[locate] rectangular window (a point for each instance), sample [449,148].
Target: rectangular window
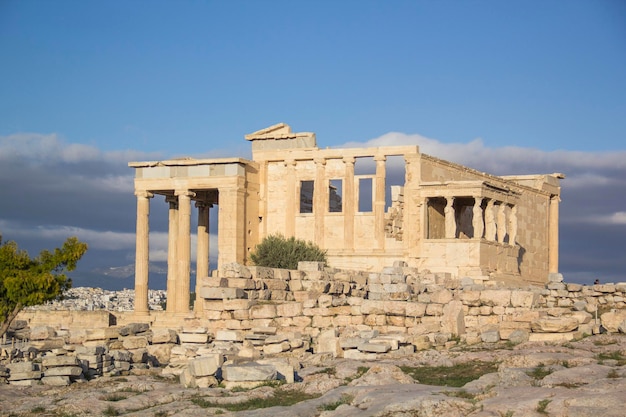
[306,196]
[335,193]
[365,195]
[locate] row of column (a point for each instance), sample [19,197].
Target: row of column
[492,221]
[178,252]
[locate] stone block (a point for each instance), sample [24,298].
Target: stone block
[495,297]
[328,341]
[229,335]
[243,283]
[563,324]
[310,266]
[206,365]
[612,320]
[276,348]
[19,367]
[133,328]
[62,360]
[134,342]
[235,270]
[212,293]
[552,337]
[19,376]
[249,372]
[238,304]
[42,333]
[289,309]
[164,336]
[69,371]
[372,307]
[193,337]
[490,336]
[356,354]
[263,311]
[56,380]
[374,348]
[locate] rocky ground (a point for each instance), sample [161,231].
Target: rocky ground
[581,378]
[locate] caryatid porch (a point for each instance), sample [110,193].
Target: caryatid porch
[226,182]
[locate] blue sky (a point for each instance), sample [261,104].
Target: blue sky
[507,87]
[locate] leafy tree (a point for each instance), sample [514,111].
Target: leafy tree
[26,281]
[276,251]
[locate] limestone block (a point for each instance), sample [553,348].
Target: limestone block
[289,309]
[214,282]
[612,320]
[135,342]
[393,343]
[42,333]
[105,333]
[164,336]
[495,297]
[396,321]
[263,311]
[374,347]
[70,371]
[414,309]
[133,328]
[342,320]
[396,308]
[276,348]
[453,320]
[19,376]
[284,371]
[48,344]
[295,285]
[161,352]
[526,299]
[243,283]
[434,309]
[552,337]
[235,270]
[490,336]
[562,324]
[212,293]
[193,337]
[351,342]
[518,336]
[470,298]
[310,266]
[56,380]
[358,355]
[228,336]
[375,320]
[249,372]
[263,272]
[339,310]
[318,287]
[18,367]
[328,341]
[206,365]
[372,307]
[62,360]
[442,296]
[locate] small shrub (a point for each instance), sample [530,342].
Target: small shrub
[541,406]
[345,399]
[282,397]
[612,374]
[110,411]
[539,372]
[277,251]
[38,409]
[114,397]
[615,355]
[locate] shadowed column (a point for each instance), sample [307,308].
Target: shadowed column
[183,251]
[172,242]
[142,250]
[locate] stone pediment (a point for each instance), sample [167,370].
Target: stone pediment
[280,136]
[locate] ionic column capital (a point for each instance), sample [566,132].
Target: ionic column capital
[380,158]
[349,160]
[184,193]
[144,194]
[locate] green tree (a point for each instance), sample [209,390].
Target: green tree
[26,281]
[276,251]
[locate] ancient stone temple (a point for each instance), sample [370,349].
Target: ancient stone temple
[368,207]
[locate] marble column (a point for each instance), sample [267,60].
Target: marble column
[293,199]
[477,218]
[553,235]
[202,249]
[320,200]
[348,203]
[490,222]
[501,222]
[142,251]
[183,251]
[172,242]
[379,201]
[513,225]
[450,219]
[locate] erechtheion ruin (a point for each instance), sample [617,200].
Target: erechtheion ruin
[440,216]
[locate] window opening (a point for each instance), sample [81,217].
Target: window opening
[365,195]
[335,193]
[306,196]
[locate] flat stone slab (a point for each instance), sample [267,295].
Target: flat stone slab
[374,347]
[249,372]
[68,371]
[205,366]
